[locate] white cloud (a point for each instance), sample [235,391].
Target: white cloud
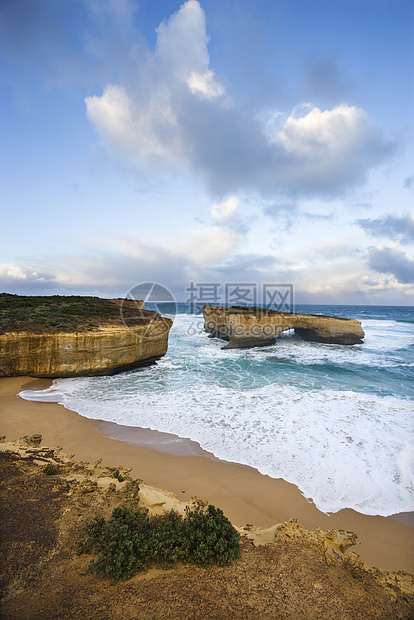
[206,85]
[151,131]
[201,246]
[323,133]
[174,111]
[182,41]
[330,147]
[206,245]
[225,209]
[22,273]
[113,270]
[208,255]
[144,120]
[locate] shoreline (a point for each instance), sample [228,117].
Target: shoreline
[179,446]
[184,468]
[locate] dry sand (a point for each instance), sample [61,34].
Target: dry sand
[182,467]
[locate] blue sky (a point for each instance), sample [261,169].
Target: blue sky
[260,141]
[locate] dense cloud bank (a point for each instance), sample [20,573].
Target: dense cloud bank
[174,112]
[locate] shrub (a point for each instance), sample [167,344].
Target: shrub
[118,475]
[211,537]
[50,470]
[131,541]
[123,544]
[168,543]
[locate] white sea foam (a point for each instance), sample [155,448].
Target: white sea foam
[349,447]
[341,448]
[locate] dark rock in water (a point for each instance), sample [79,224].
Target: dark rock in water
[249,343]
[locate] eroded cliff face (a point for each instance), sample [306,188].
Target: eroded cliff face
[105,350]
[250,327]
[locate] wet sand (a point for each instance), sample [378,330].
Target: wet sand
[181,466]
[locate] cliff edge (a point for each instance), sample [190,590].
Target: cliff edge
[77,336]
[245,327]
[283,572]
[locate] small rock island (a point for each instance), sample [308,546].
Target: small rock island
[72,336]
[245,327]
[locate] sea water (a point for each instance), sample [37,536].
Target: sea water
[335,420]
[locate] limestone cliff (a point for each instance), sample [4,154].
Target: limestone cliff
[105,351]
[249,327]
[105,346]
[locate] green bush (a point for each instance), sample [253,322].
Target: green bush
[118,475]
[211,536]
[123,544]
[131,541]
[50,470]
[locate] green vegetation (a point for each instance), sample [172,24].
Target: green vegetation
[50,470]
[118,475]
[55,313]
[258,312]
[132,541]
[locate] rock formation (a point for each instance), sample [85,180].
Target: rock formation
[245,327]
[105,348]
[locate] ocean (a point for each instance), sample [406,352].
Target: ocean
[335,420]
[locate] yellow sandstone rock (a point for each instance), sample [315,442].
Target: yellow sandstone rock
[105,350]
[250,327]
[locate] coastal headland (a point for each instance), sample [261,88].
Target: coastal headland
[245,326]
[62,336]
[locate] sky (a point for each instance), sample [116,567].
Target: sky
[225,142]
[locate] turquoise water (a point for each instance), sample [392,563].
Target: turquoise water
[335,420]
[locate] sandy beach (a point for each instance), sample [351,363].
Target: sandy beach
[184,468]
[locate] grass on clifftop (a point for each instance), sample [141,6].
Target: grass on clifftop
[59,313]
